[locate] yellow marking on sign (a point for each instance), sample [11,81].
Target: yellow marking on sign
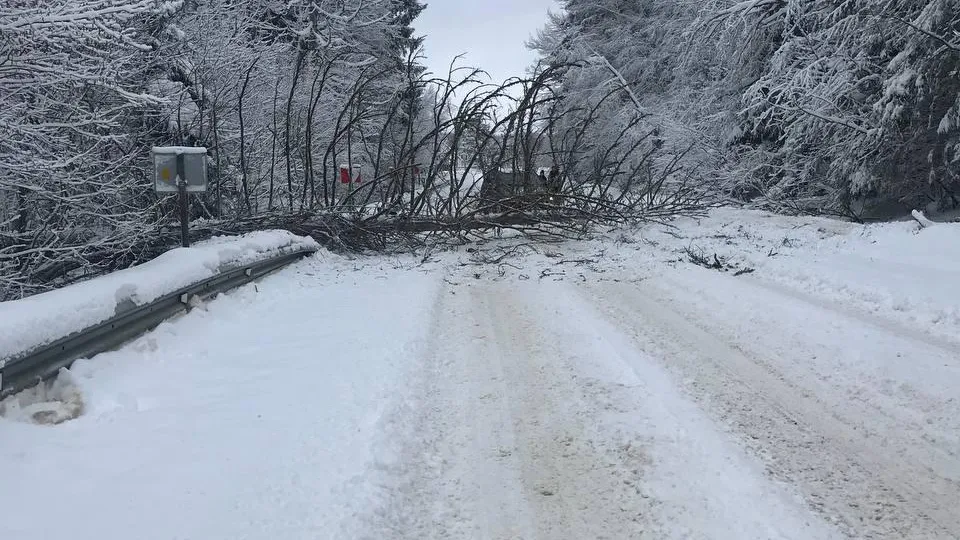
[165,174]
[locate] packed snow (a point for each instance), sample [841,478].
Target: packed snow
[804,383]
[43,318]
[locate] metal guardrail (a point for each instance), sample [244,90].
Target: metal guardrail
[29,369]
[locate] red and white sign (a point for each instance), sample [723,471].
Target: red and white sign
[346,178]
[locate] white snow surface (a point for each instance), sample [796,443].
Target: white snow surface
[605,388]
[897,272]
[178,150]
[40,319]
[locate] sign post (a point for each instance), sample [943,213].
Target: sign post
[181,170]
[184,202]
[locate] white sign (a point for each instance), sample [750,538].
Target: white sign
[165,176]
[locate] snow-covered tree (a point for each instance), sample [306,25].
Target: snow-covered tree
[72,92]
[278,91]
[806,105]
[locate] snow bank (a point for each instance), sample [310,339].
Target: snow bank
[897,271]
[37,320]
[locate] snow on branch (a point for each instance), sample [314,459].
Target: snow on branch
[922,219]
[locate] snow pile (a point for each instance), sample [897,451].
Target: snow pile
[51,403]
[922,219]
[37,320]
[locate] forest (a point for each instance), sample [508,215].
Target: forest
[648,108]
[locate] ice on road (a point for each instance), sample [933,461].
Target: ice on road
[601,389]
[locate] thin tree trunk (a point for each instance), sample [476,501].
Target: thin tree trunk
[273,149]
[243,154]
[216,146]
[286,140]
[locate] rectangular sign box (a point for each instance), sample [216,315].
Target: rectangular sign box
[165,168]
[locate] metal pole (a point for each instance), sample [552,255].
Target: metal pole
[184,202]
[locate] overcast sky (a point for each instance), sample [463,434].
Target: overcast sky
[491,33]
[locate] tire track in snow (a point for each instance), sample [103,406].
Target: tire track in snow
[896,388]
[581,482]
[457,476]
[541,420]
[689,480]
[505,446]
[856,485]
[907,401]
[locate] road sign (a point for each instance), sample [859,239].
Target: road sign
[165,168]
[345,174]
[180,169]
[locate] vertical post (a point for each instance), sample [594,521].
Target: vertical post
[184,202]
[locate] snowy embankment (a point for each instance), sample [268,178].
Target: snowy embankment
[43,318]
[900,272]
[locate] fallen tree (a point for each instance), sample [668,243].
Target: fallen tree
[468,164]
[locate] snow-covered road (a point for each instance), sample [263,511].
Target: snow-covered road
[867,437]
[543,419]
[584,394]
